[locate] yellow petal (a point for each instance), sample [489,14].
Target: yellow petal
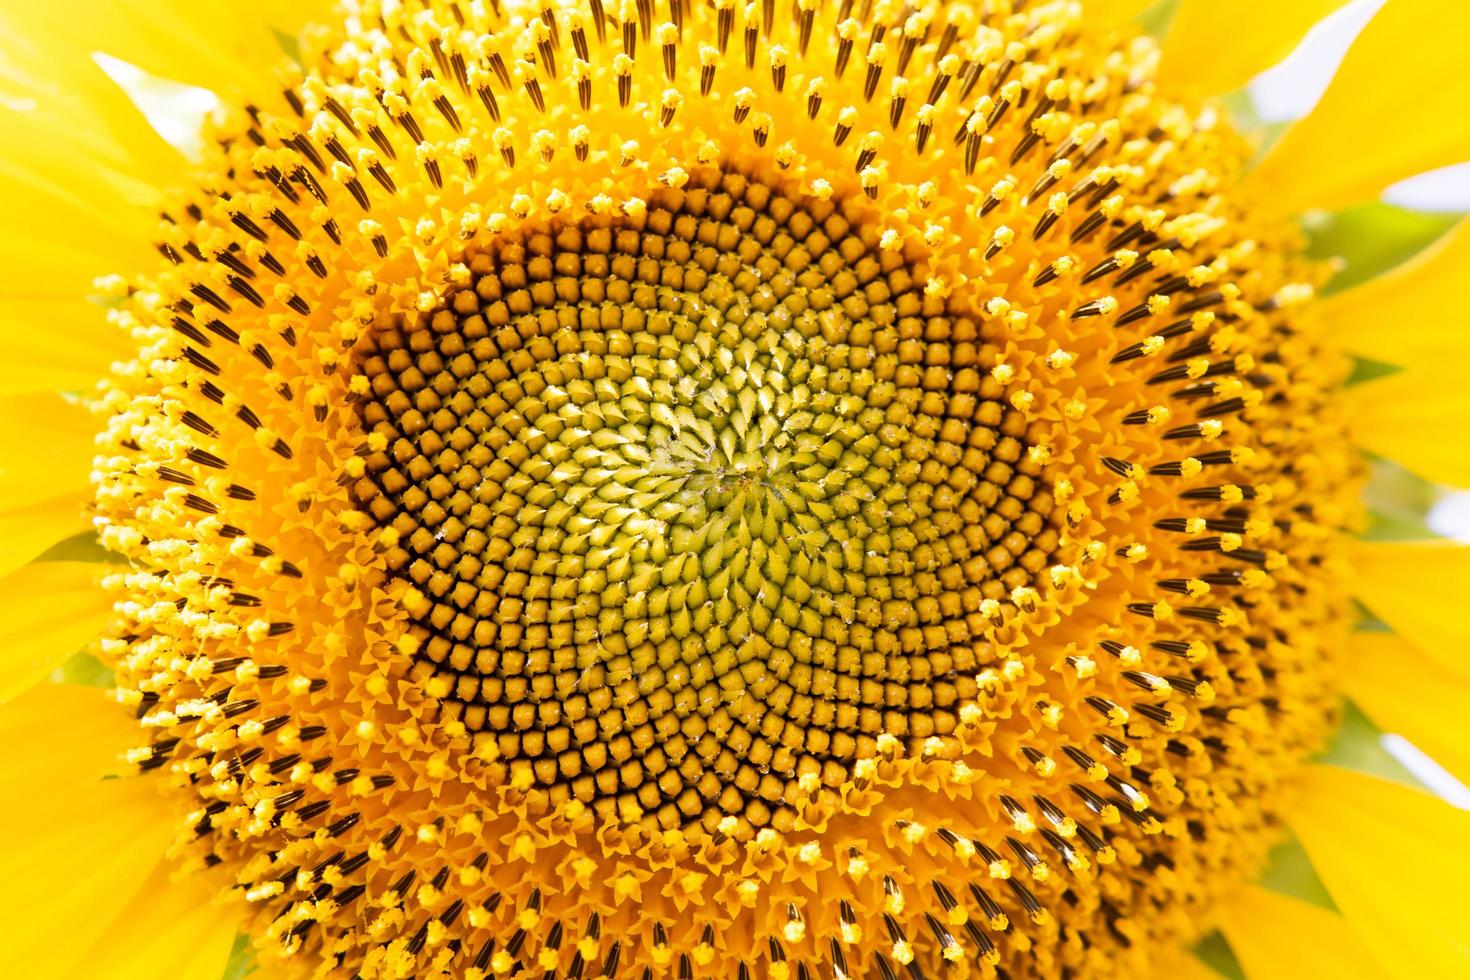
[1414,315]
[1394,109]
[1418,588]
[216,44]
[1406,692]
[45,448]
[79,872]
[1260,32]
[48,190]
[27,531]
[78,154]
[290,16]
[1281,938]
[1395,862]
[172,929]
[48,611]
[1416,418]
[169,929]
[77,847]
[47,270]
[56,345]
[90,113]
[84,732]
[1180,964]
[48,175]
[1115,11]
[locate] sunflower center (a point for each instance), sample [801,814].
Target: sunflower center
[697,501]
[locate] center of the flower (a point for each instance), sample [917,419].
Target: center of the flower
[699,502]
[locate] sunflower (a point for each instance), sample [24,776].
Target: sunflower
[792,490]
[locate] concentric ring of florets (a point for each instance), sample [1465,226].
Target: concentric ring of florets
[570,451]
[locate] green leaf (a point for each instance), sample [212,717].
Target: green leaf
[78,547]
[1367,369]
[1262,134]
[242,959]
[1371,238]
[1359,746]
[1398,502]
[1290,872]
[1216,953]
[289,43]
[1155,20]
[84,670]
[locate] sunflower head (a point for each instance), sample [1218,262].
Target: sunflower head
[724,490]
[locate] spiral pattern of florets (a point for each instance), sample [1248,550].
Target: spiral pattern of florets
[694,521]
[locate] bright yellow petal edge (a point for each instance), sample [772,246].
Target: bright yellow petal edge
[50,610]
[1409,316]
[98,844]
[215,945]
[1405,691]
[1339,813]
[1403,76]
[1197,54]
[1413,587]
[1277,937]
